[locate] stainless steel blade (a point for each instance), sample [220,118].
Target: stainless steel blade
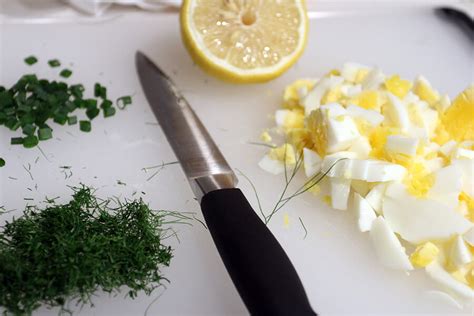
[202,162]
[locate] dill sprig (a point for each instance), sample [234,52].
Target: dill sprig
[286,197]
[65,252]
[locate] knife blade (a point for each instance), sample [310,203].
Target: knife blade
[257,264]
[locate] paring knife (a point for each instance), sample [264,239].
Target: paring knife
[259,267]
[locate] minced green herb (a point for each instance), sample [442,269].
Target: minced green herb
[65,73]
[64,252]
[54,63]
[31,103]
[2,162]
[31,60]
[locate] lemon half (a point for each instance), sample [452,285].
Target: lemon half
[244,41]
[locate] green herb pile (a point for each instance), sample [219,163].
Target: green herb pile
[31,103]
[66,252]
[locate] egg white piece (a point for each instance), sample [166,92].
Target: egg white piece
[388,248]
[375,197]
[447,186]
[437,273]
[364,212]
[467,170]
[280,117]
[350,70]
[362,169]
[447,148]
[419,220]
[271,165]
[462,153]
[312,162]
[350,90]
[402,144]
[373,80]
[411,98]
[371,116]
[380,171]
[434,164]
[460,254]
[430,119]
[440,296]
[342,133]
[361,147]
[312,101]
[397,112]
[340,189]
[443,104]
[332,110]
[469,236]
[302,92]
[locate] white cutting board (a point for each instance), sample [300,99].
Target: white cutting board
[336,262]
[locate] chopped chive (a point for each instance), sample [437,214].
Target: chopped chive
[72,120]
[106,104]
[61,119]
[108,112]
[54,63]
[123,102]
[2,162]
[92,113]
[85,126]
[91,103]
[30,141]
[31,60]
[100,91]
[45,133]
[29,129]
[16,141]
[65,73]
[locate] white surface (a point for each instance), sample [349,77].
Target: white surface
[336,262]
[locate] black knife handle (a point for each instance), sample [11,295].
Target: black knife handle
[259,267]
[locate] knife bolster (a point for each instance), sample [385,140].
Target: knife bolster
[205,184]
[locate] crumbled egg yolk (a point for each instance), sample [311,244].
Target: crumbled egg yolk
[464,197]
[286,220]
[317,126]
[370,100]
[361,74]
[433,120]
[266,137]
[332,95]
[291,96]
[398,86]
[425,92]
[285,153]
[457,122]
[424,254]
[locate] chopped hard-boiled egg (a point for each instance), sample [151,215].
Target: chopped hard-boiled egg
[364,212]
[402,144]
[424,254]
[399,155]
[460,254]
[387,246]
[312,162]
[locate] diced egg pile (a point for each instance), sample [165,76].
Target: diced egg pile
[397,154]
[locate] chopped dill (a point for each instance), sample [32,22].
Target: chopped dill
[262,144]
[28,170]
[304,227]
[65,252]
[159,167]
[285,197]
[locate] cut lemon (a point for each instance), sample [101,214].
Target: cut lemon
[244,40]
